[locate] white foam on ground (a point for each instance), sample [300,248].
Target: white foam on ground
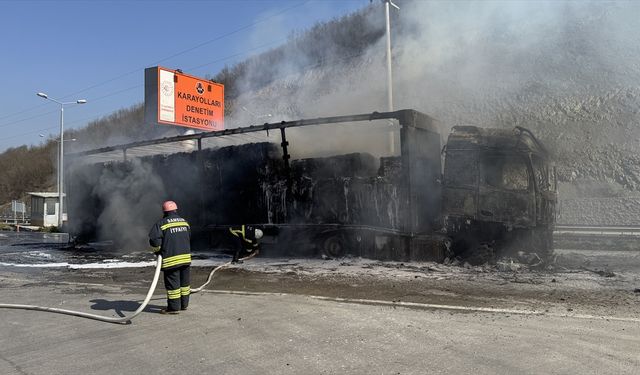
[40,254]
[112,265]
[117,264]
[40,265]
[109,263]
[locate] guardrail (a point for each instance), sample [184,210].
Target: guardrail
[602,231]
[13,221]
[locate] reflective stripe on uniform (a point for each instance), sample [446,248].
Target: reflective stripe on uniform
[155,249]
[185,290]
[175,224]
[173,294]
[176,260]
[238,232]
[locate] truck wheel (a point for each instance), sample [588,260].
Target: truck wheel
[481,254]
[543,244]
[333,246]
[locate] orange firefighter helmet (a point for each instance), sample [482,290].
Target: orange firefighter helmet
[169,206]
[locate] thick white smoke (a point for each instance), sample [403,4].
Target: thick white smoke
[566,70]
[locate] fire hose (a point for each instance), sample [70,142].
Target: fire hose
[124,319]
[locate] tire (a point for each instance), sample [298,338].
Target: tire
[543,244]
[481,254]
[333,246]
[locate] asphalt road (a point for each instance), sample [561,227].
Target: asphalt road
[289,334]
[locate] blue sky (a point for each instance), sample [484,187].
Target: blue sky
[97,50]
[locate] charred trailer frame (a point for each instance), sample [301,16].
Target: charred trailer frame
[389,213]
[499,193]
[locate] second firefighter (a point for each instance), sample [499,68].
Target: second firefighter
[248,241]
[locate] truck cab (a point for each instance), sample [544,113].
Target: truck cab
[499,193]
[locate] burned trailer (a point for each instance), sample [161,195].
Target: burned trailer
[499,193]
[351,204]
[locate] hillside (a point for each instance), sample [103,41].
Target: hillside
[568,71]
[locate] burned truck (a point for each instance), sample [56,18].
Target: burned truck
[496,193]
[499,193]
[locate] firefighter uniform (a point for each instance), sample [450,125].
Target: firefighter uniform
[171,238]
[247,240]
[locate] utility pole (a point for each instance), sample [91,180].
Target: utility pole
[388,3]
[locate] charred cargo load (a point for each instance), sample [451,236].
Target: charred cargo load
[350,204]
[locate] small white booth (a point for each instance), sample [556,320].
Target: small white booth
[44,209]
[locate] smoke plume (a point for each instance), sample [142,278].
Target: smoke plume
[566,70]
[569,71]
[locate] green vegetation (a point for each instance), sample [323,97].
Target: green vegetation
[24,169]
[53,229]
[327,43]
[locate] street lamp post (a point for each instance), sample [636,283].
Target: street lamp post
[61,156]
[388,37]
[388,3]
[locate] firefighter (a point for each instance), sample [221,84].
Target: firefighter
[171,238]
[248,241]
